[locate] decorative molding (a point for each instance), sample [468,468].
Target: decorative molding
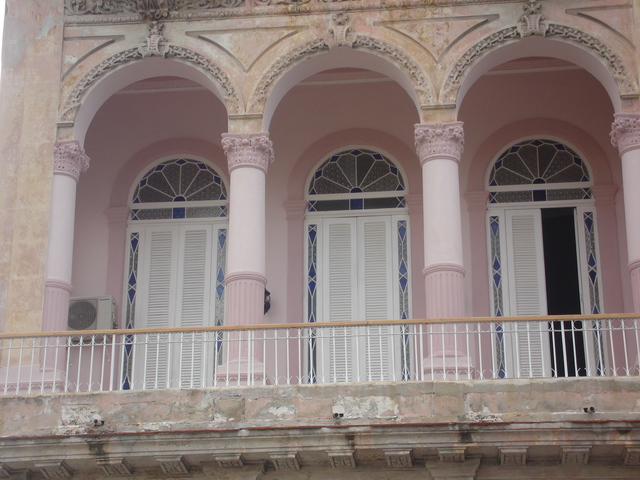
[69,159]
[115,467]
[248,150]
[631,456]
[399,458]
[402,59]
[174,465]
[54,470]
[439,141]
[309,49]
[339,31]
[288,461]
[5,472]
[227,461]
[627,85]
[315,47]
[453,454]
[625,132]
[153,45]
[59,284]
[531,23]
[513,457]
[342,459]
[574,455]
[444,267]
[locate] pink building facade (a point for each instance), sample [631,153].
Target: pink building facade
[253,162]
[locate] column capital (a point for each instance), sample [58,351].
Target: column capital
[439,140]
[248,150]
[70,159]
[625,132]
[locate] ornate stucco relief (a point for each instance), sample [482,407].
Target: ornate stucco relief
[341,34]
[618,23]
[118,11]
[533,23]
[436,36]
[231,42]
[155,44]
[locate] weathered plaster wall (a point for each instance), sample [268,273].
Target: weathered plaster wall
[28,110]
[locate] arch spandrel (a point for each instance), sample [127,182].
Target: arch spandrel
[155,56]
[339,45]
[534,35]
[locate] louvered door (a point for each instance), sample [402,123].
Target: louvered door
[175,285]
[356,278]
[527,342]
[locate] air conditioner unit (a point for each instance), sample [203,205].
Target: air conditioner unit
[91,313]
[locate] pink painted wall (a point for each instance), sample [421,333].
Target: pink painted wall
[131,131]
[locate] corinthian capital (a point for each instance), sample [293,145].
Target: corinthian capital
[439,140]
[625,132]
[248,150]
[70,159]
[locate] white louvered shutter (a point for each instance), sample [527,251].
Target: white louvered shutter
[193,307]
[339,302]
[156,303]
[375,293]
[527,293]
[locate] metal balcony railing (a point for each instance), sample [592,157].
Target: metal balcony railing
[285,354]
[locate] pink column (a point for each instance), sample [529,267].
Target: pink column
[439,147]
[248,156]
[625,134]
[70,160]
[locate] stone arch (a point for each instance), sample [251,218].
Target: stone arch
[136,64]
[363,51]
[558,41]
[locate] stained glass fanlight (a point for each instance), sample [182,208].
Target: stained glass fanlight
[539,170]
[354,180]
[176,181]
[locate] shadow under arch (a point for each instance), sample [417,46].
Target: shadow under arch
[610,73]
[100,83]
[298,65]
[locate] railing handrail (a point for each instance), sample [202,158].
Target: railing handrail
[353,323]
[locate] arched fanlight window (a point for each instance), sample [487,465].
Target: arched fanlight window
[176,181]
[538,170]
[357,179]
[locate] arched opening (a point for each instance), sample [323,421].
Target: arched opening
[357,263]
[176,251]
[160,118]
[544,258]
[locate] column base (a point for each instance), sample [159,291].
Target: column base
[444,288]
[245,298]
[57,293]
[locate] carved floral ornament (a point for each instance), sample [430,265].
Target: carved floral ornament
[248,150]
[154,44]
[70,159]
[439,141]
[625,132]
[532,23]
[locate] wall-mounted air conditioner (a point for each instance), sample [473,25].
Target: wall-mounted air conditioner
[91,313]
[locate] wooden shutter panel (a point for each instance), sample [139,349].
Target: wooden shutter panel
[159,260]
[194,266]
[338,282]
[527,293]
[376,300]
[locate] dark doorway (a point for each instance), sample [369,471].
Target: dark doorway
[563,291]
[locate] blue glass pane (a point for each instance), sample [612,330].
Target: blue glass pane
[179,212]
